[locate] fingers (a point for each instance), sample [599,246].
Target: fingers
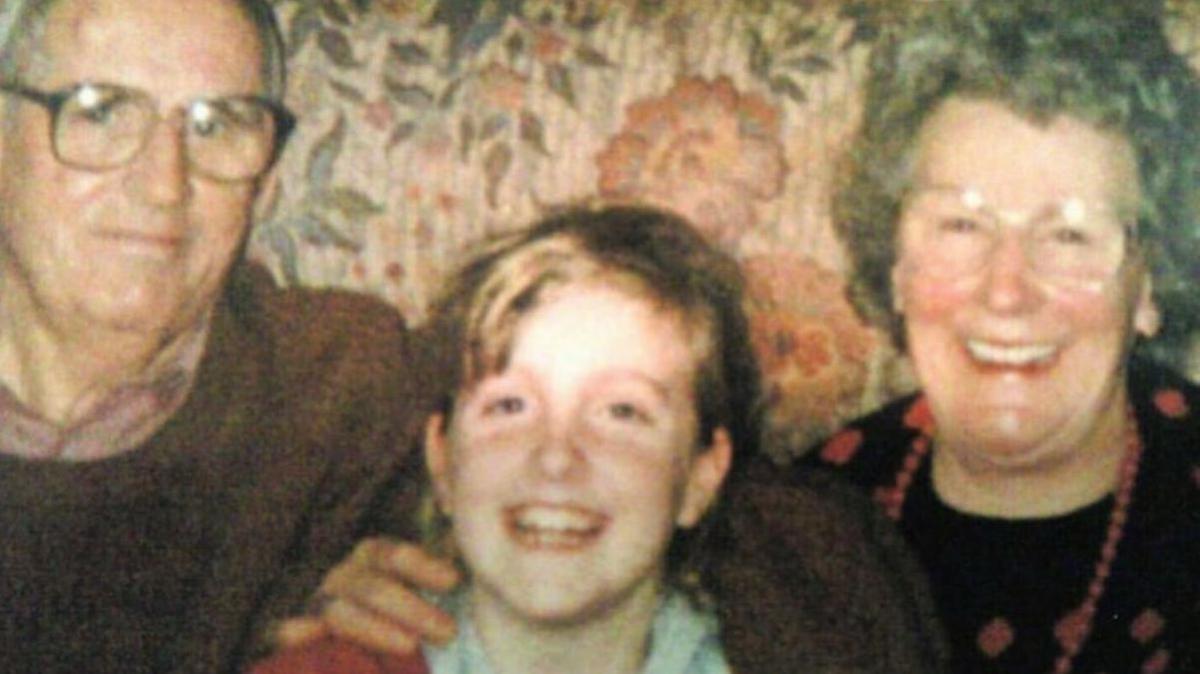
[390,600]
[369,629]
[373,597]
[297,632]
[415,565]
[402,562]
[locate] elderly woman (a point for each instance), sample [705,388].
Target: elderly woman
[1020,213]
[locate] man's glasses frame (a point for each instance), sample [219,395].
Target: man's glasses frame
[283,122]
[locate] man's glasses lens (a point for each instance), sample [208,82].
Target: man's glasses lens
[99,127]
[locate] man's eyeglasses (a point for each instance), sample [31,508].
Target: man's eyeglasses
[97,127]
[1066,243]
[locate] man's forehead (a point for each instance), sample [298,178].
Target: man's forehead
[199,45]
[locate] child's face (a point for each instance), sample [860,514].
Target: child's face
[567,473]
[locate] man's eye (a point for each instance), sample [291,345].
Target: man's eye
[207,120]
[98,114]
[106,111]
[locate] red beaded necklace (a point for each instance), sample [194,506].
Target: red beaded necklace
[1074,627]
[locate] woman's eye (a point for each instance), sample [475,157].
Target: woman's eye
[506,406]
[958,225]
[1072,236]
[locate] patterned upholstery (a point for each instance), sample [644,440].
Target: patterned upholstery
[425,125]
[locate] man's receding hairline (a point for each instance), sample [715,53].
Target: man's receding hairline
[23,33]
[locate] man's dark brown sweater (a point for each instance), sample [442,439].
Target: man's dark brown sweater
[175,556]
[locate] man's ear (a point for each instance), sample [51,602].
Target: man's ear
[437,460]
[897,295]
[1147,319]
[705,476]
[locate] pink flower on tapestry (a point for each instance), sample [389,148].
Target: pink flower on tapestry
[813,349]
[379,114]
[500,87]
[702,149]
[548,46]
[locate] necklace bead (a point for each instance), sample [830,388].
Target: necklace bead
[1073,630]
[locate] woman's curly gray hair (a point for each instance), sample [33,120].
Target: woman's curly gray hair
[1106,62]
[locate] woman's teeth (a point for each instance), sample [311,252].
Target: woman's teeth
[1029,354]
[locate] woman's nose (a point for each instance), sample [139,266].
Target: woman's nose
[1008,281]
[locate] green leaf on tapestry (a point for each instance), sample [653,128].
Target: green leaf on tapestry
[558,78]
[812,64]
[588,22]
[352,204]
[648,9]
[335,13]
[533,131]
[403,131]
[760,58]
[266,210]
[409,95]
[322,233]
[788,87]
[279,241]
[592,57]
[863,33]
[347,91]
[407,54]
[324,153]
[799,35]
[495,167]
[514,45]
[305,23]
[493,125]
[337,47]
[446,98]
[466,136]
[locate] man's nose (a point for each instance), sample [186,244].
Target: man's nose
[161,171]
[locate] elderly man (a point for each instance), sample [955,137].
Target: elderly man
[183,448]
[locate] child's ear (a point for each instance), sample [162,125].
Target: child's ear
[437,461]
[705,475]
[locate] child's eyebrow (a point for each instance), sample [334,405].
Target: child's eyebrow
[660,388]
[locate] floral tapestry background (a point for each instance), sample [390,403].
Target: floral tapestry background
[426,125]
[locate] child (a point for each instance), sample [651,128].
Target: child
[605,383]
